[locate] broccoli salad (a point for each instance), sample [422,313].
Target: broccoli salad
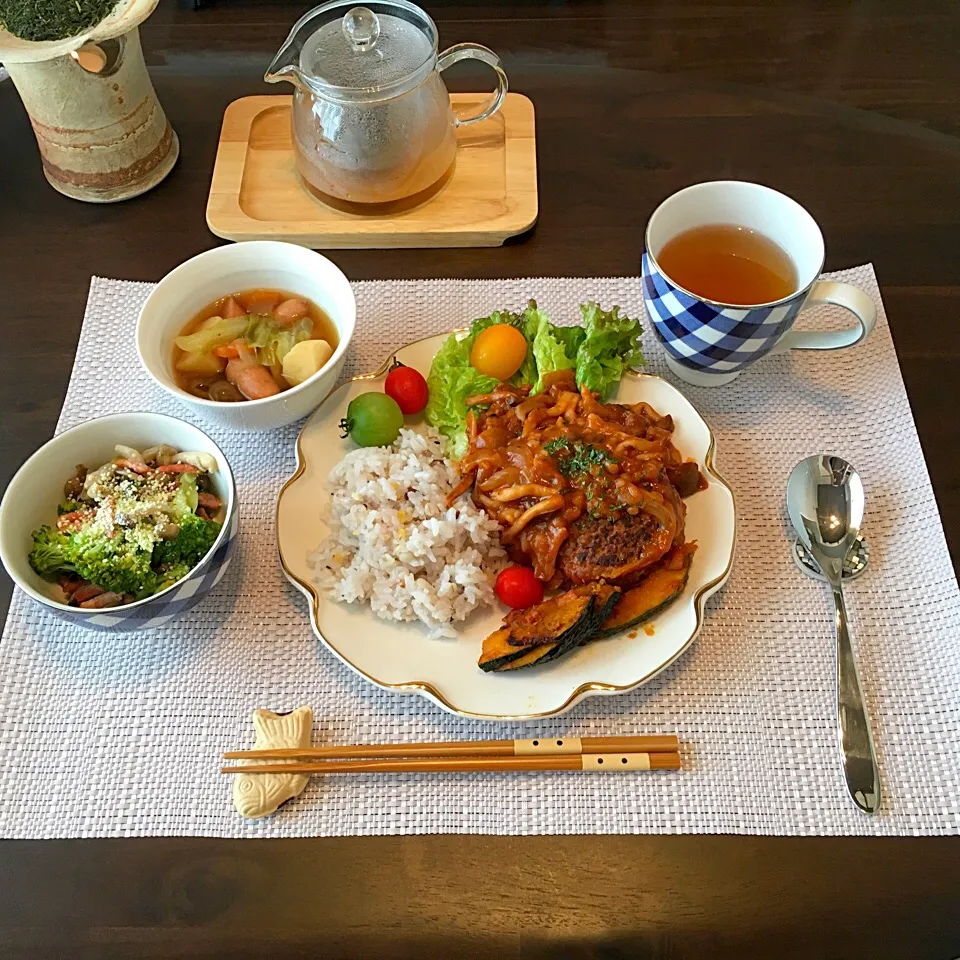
[130,528]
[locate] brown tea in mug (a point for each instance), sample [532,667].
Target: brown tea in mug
[729,264]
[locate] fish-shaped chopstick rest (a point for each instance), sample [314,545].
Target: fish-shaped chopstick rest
[259,794]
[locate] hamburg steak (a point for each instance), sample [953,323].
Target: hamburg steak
[616,550]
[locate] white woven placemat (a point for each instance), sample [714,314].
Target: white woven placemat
[120,735]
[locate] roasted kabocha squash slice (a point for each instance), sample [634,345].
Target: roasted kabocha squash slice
[497,653]
[565,618]
[549,629]
[659,588]
[607,599]
[551,624]
[531,655]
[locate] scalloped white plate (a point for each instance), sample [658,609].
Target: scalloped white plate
[399,657]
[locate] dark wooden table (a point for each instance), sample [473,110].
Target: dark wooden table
[854,109]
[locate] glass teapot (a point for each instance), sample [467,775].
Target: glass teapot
[372,120]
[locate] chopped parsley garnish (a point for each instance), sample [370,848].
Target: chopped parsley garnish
[577,457]
[554,446]
[582,464]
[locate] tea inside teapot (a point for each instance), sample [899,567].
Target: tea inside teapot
[376,154]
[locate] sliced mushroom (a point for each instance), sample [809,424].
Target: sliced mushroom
[199,459]
[223,391]
[73,488]
[95,476]
[128,453]
[159,454]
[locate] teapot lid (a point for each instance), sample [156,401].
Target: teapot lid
[365,49]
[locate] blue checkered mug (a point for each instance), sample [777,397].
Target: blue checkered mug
[710,343]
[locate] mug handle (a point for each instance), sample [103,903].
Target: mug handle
[842,295]
[476,51]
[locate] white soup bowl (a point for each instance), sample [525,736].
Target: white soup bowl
[217,273]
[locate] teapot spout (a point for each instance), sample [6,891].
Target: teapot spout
[286,64]
[284,67]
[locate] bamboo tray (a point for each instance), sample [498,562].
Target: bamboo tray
[256,193]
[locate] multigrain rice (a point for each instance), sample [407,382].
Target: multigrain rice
[395,543]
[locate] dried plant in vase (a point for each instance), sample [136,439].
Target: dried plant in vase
[79,69]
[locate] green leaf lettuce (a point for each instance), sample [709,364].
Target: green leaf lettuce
[599,352]
[611,347]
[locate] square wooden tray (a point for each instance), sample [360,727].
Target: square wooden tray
[256,193]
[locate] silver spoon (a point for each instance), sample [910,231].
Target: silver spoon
[853,566]
[825,502]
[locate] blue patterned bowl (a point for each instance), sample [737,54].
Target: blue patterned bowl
[31,500]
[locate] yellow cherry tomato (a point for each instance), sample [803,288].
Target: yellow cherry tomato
[499,351]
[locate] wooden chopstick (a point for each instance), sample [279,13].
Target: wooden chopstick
[541,746]
[594,762]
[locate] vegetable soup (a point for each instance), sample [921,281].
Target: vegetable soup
[251,345]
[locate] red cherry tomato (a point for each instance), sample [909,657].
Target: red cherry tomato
[517,587]
[407,387]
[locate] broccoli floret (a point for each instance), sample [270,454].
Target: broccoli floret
[188,547]
[69,506]
[113,563]
[172,574]
[50,553]
[117,563]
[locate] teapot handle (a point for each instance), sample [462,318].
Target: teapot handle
[476,51]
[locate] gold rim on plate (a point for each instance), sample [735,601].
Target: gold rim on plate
[427,688]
